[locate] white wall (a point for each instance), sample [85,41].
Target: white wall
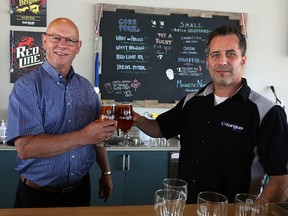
[267,39]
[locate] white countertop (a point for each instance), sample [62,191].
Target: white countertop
[171,145]
[6,147]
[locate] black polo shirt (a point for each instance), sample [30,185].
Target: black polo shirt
[227,148]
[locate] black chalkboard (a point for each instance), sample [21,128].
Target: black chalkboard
[154,57]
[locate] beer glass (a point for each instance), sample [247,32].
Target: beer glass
[179,185]
[250,205]
[211,204]
[107,113]
[124,117]
[167,202]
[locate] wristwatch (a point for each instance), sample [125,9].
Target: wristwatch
[106,173]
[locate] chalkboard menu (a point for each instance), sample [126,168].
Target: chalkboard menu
[154,56]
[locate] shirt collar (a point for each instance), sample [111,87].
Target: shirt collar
[54,74]
[244,91]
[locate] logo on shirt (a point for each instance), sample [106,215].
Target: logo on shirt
[234,127]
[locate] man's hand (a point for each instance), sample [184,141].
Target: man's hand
[98,131]
[105,187]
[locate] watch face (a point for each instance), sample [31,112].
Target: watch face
[106,173]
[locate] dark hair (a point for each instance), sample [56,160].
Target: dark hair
[226,30]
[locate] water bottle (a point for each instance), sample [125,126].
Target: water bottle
[3,130]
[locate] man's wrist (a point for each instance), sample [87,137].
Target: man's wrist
[106,173]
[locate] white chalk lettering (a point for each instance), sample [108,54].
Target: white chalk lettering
[123,67]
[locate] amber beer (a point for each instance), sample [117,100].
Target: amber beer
[124,117]
[107,112]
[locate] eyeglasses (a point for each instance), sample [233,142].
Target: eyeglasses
[58,39]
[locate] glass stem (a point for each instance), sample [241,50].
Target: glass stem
[125,136]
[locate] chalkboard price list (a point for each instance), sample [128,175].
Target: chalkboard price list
[154,57]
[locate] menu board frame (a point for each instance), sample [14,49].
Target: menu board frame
[121,81]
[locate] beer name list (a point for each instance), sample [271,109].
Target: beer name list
[154,57]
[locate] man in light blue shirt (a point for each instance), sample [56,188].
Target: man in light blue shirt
[52,121]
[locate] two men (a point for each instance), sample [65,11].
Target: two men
[231,136]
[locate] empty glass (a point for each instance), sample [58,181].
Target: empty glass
[211,204]
[167,202]
[178,185]
[250,205]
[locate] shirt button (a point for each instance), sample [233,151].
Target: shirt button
[69,121]
[73,156]
[68,104]
[203,141]
[72,174]
[58,83]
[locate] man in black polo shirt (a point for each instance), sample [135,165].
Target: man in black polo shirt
[231,137]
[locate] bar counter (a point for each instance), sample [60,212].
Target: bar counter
[143,210]
[172,144]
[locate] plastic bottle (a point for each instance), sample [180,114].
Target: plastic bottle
[3,130]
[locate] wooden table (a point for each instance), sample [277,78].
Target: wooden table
[143,210]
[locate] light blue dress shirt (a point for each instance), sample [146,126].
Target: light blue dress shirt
[43,103]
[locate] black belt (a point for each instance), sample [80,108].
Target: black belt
[64,190]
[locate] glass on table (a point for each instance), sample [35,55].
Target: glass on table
[179,185]
[250,205]
[167,202]
[124,117]
[211,204]
[107,113]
